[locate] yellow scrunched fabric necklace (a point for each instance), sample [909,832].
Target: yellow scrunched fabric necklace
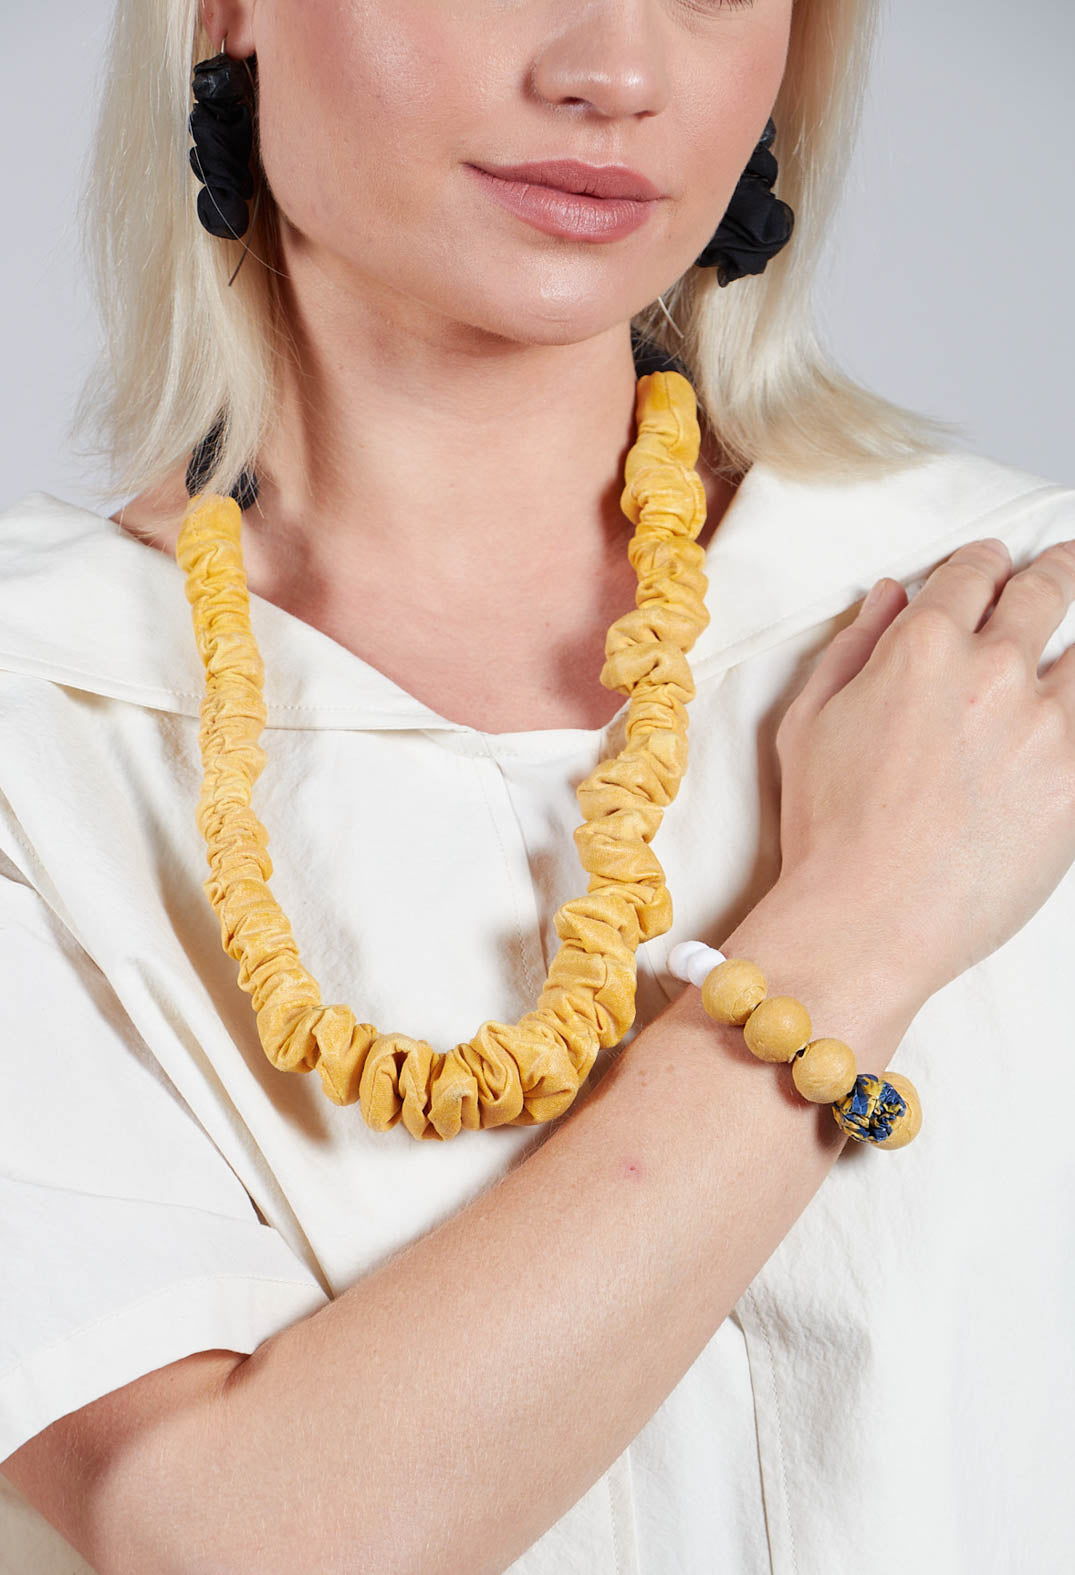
[506,1075]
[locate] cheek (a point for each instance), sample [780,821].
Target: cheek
[725,109]
[350,94]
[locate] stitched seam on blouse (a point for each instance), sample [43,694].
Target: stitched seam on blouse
[532,989]
[82,672]
[524,753]
[779,1431]
[168,694]
[612,1522]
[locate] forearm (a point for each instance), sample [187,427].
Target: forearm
[449,1407]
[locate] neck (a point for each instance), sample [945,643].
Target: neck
[431,453]
[436,447]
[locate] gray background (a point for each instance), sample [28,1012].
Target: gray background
[948,279]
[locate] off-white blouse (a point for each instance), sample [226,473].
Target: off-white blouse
[894,1392]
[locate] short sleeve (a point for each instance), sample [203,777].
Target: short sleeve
[126,1239]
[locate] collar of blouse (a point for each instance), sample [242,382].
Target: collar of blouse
[84,604]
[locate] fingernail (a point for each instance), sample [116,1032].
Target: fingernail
[875,595]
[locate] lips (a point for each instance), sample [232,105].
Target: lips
[590,180]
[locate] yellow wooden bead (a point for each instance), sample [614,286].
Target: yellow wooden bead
[777,1028]
[906,1128]
[732,990]
[825,1071]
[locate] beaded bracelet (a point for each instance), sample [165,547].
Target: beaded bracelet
[884,1111]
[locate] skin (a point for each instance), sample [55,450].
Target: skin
[256,1443]
[452,432]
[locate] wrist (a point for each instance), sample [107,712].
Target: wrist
[819,952]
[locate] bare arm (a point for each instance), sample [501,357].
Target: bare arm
[453,1404]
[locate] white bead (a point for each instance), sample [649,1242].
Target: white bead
[693,960]
[677,957]
[702,964]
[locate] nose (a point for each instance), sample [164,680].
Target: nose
[609,59]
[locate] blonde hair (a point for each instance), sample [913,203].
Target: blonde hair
[182,349]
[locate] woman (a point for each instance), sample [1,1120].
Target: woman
[642,1337]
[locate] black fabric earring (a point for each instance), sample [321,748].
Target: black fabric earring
[245,490]
[649,357]
[222,126]
[757,223]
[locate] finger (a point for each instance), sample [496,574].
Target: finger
[1035,601]
[1059,676]
[967,583]
[849,651]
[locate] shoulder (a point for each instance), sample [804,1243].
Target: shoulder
[794,552]
[909,518]
[977,486]
[850,526]
[44,539]
[86,606]
[31,523]
[963,497]
[950,490]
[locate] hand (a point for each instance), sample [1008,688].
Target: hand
[928,772]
